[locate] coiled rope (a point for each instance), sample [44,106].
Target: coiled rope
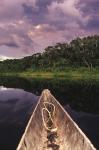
[50,109]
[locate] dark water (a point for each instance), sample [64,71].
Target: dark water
[16,105]
[19,96]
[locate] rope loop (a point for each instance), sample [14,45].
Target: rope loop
[49,109]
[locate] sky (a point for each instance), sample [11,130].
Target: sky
[29,26]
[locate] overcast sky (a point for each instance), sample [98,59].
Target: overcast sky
[28,26]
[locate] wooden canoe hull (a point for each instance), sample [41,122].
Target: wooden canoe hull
[70,137]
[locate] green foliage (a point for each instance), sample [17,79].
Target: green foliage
[81,52]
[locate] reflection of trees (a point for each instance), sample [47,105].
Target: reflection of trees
[81,95]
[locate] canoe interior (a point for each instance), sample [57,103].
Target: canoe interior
[68,136]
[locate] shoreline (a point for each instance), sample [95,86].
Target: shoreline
[70,74]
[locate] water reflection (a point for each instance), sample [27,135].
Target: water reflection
[89,123]
[81,95]
[80,99]
[16,106]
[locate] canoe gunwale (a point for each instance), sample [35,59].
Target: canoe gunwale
[26,129]
[45,94]
[77,127]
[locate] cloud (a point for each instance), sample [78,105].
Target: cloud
[10,10]
[28,26]
[67,7]
[91,9]
[16,35]
[4,58]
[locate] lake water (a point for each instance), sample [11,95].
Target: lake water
[19,96]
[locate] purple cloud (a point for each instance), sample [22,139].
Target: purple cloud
[28,26]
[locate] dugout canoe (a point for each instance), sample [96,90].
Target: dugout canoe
[51,128]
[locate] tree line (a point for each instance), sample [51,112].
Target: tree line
[80,52]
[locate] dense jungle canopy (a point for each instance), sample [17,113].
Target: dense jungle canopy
[80,52]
